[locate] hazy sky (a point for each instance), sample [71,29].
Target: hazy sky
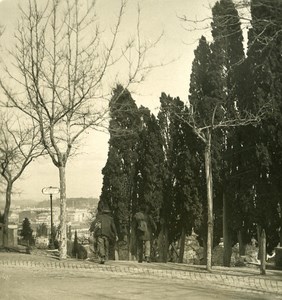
[84,176]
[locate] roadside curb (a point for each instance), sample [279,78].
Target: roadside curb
[248,283]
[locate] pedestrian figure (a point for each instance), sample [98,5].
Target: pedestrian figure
[104,231]
[144,227]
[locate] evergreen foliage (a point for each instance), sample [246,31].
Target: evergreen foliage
[119,189]
[182,206]
[75,246]
[41,230]
[227,57]
[26,232]
[149,168]
[163,161]
[263,164]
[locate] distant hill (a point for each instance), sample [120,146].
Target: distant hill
[72,203]
[21,203]
[89,203]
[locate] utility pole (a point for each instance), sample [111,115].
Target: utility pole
[51,190]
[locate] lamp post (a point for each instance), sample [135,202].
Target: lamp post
[51,190]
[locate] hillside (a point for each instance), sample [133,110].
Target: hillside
[72,203]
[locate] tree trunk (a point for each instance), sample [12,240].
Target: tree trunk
[227,242]
[163,243]
[182,245]
[280,231]
[6,213]
[242,244]
[63,217]
[262,246]
[209,183]
[259,232]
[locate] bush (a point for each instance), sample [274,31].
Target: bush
[82,252]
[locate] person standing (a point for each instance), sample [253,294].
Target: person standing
[144,227]
[104,230]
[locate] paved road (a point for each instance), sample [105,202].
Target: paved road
[42,276]
[17,283]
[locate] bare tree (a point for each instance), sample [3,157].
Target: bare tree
[256,25]
[19,144]
[62,63]
[204,134]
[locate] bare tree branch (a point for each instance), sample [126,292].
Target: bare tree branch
[20,144]
[246,21]
[61,66]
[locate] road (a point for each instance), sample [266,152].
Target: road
[52,284]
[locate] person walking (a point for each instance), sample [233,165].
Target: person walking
[104,231]
[144,227]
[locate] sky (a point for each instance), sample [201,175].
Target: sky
[83,172]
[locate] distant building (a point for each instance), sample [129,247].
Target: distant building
[14,217]
[78,215]
[30,214]
[78,219]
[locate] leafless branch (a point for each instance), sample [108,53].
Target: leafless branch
[246,23]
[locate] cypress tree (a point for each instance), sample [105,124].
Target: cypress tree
[75,247]
[150,175]
[149,171]
[119,189]
[264,59]
[26,232]
[206,108]
[182,207]
[227,58]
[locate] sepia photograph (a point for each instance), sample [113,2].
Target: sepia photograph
[141,149]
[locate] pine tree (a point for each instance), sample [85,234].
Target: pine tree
[75,247]
[213,110]
[41,230]
[182,208]
[149,168]
[227,58]
[186,163]
[207,108]
[264,59]
[26,232]
[119,189]
[150,173]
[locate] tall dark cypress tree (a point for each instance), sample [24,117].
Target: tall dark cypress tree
[149,168]
[227,58]
[206,110]
[167,209]
[182,208]
[186,165]
[119,189]
[264,61]
[26,232]
[150,173]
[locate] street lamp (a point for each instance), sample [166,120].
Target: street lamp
[51,190]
